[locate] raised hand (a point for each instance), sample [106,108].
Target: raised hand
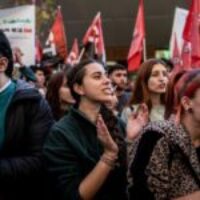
[17,56]
[110,147]
[136,121]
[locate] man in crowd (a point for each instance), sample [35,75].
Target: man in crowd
[25,120]
[118,75]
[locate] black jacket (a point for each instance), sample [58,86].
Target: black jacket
[28,120]
[71,151]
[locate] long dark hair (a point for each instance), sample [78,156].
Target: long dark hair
[52,95]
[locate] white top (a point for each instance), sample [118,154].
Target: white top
[156,114]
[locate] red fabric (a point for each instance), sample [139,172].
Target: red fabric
[38,51]
[191,32]
[186,55]
[94,34]
[57,36]
[74,53]
[176,57]
[191,89]
[188,24]
[136,49]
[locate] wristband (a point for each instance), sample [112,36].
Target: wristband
[108,161]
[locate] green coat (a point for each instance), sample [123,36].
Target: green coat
[71,151]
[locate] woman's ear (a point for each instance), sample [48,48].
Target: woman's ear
[78,89]
[186,103]
[3,64]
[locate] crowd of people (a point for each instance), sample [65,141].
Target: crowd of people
[84,134]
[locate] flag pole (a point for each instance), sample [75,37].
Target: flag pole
[144,50]
[81,54]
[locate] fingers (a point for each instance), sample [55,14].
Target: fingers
[143,111]
[141,116]
[105,137]
[144,107]
[101,127]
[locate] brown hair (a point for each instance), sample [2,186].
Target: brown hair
[140,93]
[171,93]
[52,95]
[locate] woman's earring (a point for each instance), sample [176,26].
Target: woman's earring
[190,110]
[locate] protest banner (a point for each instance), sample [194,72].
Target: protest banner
[18,24]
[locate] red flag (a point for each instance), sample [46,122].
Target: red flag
[186,55]
[38,50]
[74,53]
[191,32]
[176,58]
[136,49]
[94,35]
[57,39]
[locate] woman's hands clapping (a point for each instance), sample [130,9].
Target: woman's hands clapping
[136,121]
[110,147]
